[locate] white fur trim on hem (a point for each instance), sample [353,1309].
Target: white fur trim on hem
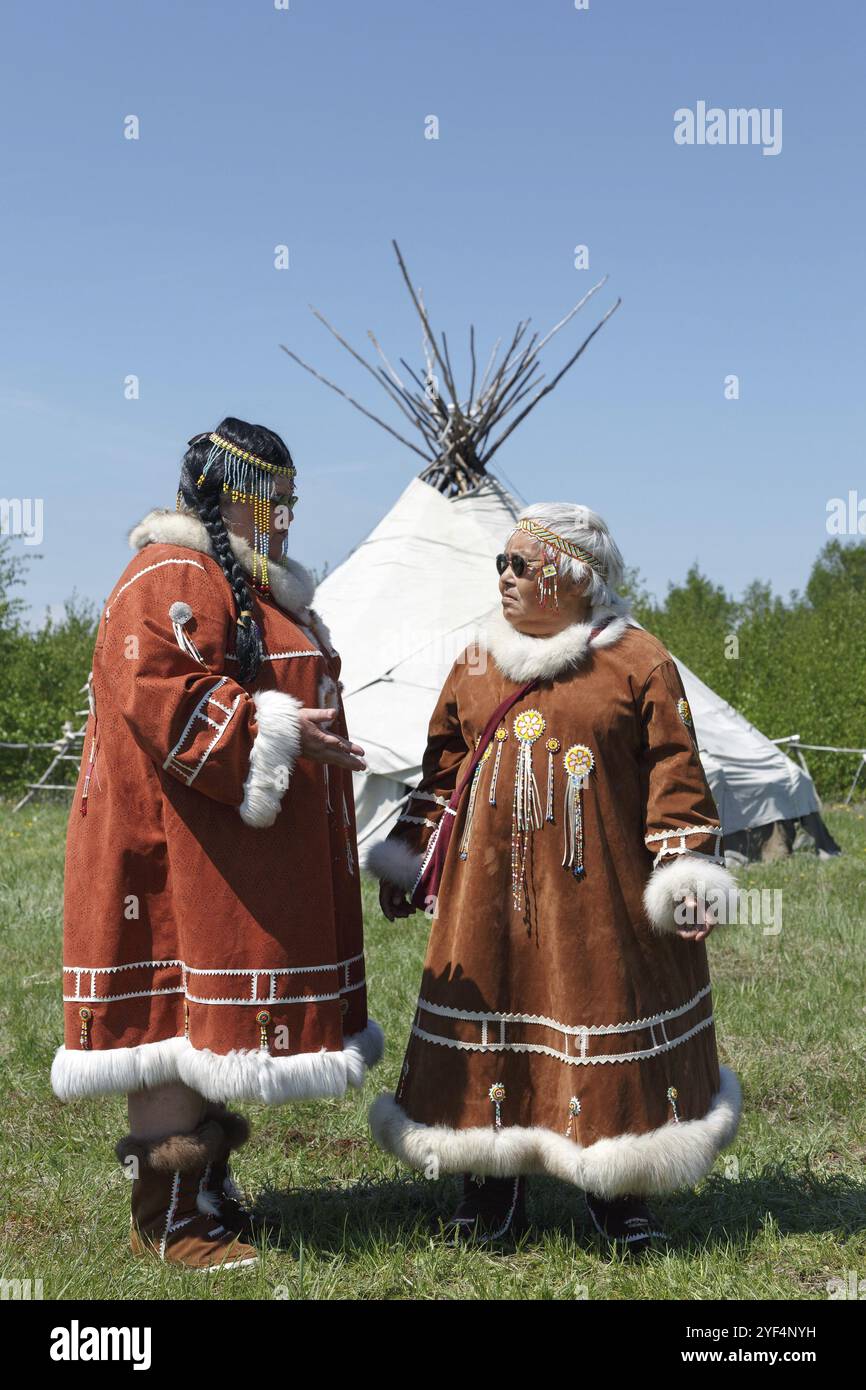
[670,882]
[664,1160]
[233,1076]
[522,657]
[276,748]
[394,861]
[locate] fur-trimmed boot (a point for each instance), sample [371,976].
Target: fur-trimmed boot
[626,1222]
[218,1193]
[490,1209]
[169,1217]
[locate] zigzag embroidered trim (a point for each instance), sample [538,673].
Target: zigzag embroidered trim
[278,656]
[576,1028]
[584,1034]
[273,992]
[681,833]
[417,820]
[428,796]
[172,762]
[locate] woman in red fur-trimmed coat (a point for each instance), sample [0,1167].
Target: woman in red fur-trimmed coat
[213,945]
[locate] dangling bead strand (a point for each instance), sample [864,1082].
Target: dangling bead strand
[553,746]
[473,796]
[578,763]
[526,809]
[497,1096]
[499,738]
[573,1112]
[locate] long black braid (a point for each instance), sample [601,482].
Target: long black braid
[204,501]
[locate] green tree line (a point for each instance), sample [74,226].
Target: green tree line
[795,665]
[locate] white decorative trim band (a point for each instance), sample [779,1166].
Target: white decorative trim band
[493,1030]
[573,1061]
[573,1029]
[681,834]
[207,702]
[428,796]
[177,978]
[279,656]
[147,569]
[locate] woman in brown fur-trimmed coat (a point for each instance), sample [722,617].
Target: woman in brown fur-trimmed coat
[213,945]
[565,1021]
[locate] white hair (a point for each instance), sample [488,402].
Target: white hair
[588,530]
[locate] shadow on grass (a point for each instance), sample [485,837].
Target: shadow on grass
[332,1218]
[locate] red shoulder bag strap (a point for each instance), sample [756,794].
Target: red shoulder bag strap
[428,882]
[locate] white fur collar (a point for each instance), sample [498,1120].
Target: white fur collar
[292,586]
[521,657]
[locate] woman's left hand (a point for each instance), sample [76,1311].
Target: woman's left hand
[703,916]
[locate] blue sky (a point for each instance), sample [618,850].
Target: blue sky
[260,127]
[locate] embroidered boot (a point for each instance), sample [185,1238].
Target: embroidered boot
[169,1217]
[218,1193]
[489,1209]
[625,1221]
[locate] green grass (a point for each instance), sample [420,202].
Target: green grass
[782,1212]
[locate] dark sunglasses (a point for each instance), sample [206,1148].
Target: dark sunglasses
[519,566]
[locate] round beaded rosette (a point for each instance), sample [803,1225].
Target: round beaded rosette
[529,725]
[578,760]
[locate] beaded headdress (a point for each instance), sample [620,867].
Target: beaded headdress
[247,478]
[548,537]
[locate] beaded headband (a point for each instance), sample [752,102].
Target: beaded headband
[248,479]
[548,537]
[229,448]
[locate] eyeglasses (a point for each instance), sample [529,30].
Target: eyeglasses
[519,565]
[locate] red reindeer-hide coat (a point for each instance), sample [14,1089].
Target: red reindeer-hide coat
[213,928]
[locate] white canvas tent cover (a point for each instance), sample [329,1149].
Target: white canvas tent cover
[417,591]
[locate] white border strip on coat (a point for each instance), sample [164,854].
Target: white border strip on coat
[581,1061]
[567,1029]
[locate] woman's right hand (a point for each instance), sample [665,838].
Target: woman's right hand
[394,901]
[318,743]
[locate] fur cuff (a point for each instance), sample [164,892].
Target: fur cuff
[276,748]
[686,873]
[393,860]
[177,1153]
[236,1127]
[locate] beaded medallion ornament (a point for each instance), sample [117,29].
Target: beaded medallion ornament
[529,725]
[672,1099]
[685,713]
[573,1112]
[248,478]
[578,763]
[496,1095]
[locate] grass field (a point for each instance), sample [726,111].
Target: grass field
[782,1213]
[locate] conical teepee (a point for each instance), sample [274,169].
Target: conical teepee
[418,590]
